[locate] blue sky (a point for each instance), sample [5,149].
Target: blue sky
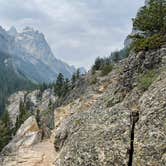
[78,31]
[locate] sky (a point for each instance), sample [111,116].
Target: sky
[77,31]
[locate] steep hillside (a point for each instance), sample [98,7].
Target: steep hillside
[96,124]
[10,80]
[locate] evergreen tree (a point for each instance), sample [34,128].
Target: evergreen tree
[98,64]
[66,87]
[58,88]
[78,74]
[23,115]
[116,56]
[151,19]
[5,132]
[73,79]
[43,87]
[38,118]
[5,119]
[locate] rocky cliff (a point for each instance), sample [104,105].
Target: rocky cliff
[117,118]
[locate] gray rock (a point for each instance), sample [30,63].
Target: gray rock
[150,133]
[27,135]
[94,138]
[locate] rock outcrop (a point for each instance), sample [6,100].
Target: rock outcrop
[35,100]
[13,106]
[27,135]
[100,134]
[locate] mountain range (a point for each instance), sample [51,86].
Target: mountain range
[32,56]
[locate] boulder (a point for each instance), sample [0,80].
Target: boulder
[27,135]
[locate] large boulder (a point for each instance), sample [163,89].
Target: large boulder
[27,135]
[96,138]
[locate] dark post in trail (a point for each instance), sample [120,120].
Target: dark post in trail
[134,117]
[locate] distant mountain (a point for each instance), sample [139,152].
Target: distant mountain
[32,55]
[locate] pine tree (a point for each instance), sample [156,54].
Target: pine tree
[58,88]
[73,79]
[66,87]
[23,115]
[78,74]
[38,120]
[151,19]
[5,131]
[99,62]
[116,56]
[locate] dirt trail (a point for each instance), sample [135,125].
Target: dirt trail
[41,154]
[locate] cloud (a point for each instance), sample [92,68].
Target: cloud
[77,30]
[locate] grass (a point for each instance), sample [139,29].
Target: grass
[145,80]
[106,69]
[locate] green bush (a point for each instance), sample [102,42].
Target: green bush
[106,69]
[145,44]
[145,80]
[93,80]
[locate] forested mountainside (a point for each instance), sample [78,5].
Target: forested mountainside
[11,80]
[113,115]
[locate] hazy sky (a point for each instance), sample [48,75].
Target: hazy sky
[77,30]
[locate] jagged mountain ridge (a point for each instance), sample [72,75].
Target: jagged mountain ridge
[32,55]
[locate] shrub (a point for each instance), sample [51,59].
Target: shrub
[145,80]
[93,80]
[145,44]
[99,62]
[106,69]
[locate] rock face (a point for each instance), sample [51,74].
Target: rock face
[100,133]
[93,125]
[32,55]
[35,101]
[13,106]
[94,138]
[25,149]
[150,142]
[27,135]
